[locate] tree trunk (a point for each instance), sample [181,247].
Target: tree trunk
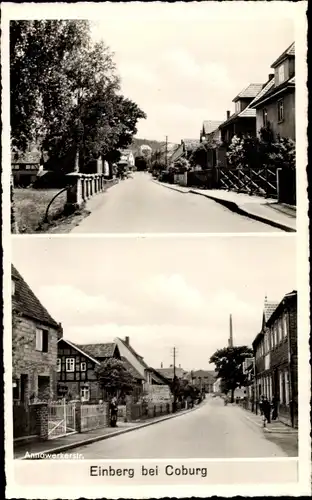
[232,395]
[14,225]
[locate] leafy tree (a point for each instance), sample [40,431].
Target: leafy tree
[140,163]
[114,378]
[229,367]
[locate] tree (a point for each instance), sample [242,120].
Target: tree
[114,378]
[229,367]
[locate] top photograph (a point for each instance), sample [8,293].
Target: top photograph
[150,123]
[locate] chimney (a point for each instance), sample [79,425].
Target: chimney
[271,75]
[171,366]
[127,340]
[179,366]
[161,365]
[228,114]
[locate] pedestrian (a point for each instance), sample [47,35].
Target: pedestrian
[274,407]
[266,406]
[113,412]
[261,405]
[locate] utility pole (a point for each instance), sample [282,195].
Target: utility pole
[174,362]
[174,353]
[166,151]
[231,332]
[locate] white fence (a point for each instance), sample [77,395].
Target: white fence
[61,419]
[93,416]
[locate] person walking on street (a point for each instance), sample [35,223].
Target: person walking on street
[113,412]
[266,406]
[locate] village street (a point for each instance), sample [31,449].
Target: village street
[139,205]
[210,431]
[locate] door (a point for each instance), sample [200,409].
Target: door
[43,387]
[24,388]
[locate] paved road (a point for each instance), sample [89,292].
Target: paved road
[210,431]
[139,205]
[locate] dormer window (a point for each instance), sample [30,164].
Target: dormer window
[281,73]
[237,107]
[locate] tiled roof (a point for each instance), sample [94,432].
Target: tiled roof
[190,144]
[25,302]
[266,88]
[202,373]
[79,348]
[269,308]
[290,51]
[210,126]
[131,369]
[168,372]
[138,357]
[247,113]
[271,89]
[249,92]
[99,350]
[159,377]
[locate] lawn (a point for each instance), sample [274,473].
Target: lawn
[31,205]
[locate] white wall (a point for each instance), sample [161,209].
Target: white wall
[124,351]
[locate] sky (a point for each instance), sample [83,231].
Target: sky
[184,63]
[161,292]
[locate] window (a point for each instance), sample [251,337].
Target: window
[287,388]
[58,365]
[280,331]
[265,117]
[83,366]
[85,393]
[70,364]
[285,325]
[42,340]
[237,107]
[281,74]
[280,110]
[13,287]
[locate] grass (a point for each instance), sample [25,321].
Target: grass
[31,205]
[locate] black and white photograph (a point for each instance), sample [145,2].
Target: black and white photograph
[116,129]
[155,242]
[196,355]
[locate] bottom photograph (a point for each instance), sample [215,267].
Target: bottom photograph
[154,348]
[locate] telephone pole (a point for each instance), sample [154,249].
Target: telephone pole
[166,151]
[231,332]
[174,380]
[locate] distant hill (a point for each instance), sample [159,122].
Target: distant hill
[155,145]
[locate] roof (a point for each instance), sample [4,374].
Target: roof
[135,354]
[249,92]
[210,126]
[202,373]
[75,346]
[289,52]
[131,369]
[271,90]
[98,350]
[278,309]
[190,144]
[269,308]
[168,372]
[25,301]
[159,376]
[246,113]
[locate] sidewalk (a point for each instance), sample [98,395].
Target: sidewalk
[266,210]
[275,427]
[65,443]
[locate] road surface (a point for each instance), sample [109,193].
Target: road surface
[209,431]
[140,205]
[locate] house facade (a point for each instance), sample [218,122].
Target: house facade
[275,105]
[243,120]
[276,364]
[76,364]
[211,135]
[127,158]
[202,379]
[26,167]
[34,345]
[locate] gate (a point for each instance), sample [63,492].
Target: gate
[62,419]
[261,181]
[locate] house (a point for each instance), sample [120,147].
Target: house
[203,379]
[211,136]
[210,131]
[26,167]
[276,364]
[76,365]
[34,345]
[149,376]
[275,104]
[243,120]
[126,158]
[171,371]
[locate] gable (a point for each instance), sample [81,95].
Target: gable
[63,343]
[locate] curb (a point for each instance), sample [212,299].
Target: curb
[231,205]
[270,431]
[94,439]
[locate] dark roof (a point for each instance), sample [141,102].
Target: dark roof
[210,126]
[75,346]
[138,357]
[289,52]
[159,376]
[99,350]
[246,113]
[131,369]
[269,308]
[202,373]
[249,92]
[168,372]
[25,302]
[262,92]
[190,144]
